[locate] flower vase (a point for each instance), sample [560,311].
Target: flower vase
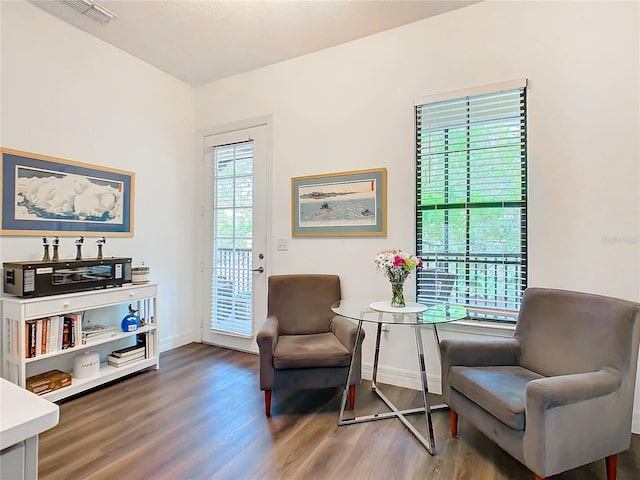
[397,294]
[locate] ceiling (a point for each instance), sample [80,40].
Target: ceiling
[200,41]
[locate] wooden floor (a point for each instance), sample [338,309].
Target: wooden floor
[201,416]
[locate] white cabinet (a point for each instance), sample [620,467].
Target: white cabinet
[103,307]
[22,417]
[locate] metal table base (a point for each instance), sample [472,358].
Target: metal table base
[427,443]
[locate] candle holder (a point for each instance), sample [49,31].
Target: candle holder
[100,242]
[45,246]
[79,242]
[56,244]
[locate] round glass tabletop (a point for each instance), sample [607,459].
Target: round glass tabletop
[413,314]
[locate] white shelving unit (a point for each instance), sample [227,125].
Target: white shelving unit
[106,306]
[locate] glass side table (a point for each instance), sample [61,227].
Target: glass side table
[381,313]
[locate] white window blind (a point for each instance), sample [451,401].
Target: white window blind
[471,199]
[232,295]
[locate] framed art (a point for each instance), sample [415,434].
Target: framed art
[44,195]
[340,204]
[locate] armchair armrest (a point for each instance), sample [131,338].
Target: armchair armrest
[582,405]
[267,339]
[480,352]
[346,331]
[564,390]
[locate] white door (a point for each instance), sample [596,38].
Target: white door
[235,216]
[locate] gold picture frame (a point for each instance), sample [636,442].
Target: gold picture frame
[43,195]
[342,204]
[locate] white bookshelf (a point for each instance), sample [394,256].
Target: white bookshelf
[96,306]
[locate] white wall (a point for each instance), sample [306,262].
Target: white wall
[351,107]
[69,95]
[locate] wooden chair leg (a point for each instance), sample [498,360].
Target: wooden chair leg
[454,423]
[267,402]
[352,397]
[612,463]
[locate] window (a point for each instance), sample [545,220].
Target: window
[232,303]
[471,200]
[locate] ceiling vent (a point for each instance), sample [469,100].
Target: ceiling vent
[91,10]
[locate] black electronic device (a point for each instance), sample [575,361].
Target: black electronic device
[38,279]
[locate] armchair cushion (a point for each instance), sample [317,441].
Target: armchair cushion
[498,390]
[310,351]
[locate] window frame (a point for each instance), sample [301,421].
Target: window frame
[478,315]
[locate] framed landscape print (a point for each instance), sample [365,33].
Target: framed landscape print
[340,204]
[44,195]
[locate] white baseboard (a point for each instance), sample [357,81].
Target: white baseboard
[401,378]
[635,424]
[176,341]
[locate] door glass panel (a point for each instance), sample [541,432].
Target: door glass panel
[232,295]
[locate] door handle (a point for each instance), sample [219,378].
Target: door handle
[259,270]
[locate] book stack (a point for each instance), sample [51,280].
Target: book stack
[92,333]
[48,382]
[127,355]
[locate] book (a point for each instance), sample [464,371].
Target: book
[60,332]
[66,333]
[26,339]
[54,328]
[77,326]
[45,332]
[151,349]
[141,341]
[30,338]
[73,321]
[38,337]
[122,361]
[128,351]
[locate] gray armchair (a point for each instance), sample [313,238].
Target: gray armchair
[302,344]
[560,393]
